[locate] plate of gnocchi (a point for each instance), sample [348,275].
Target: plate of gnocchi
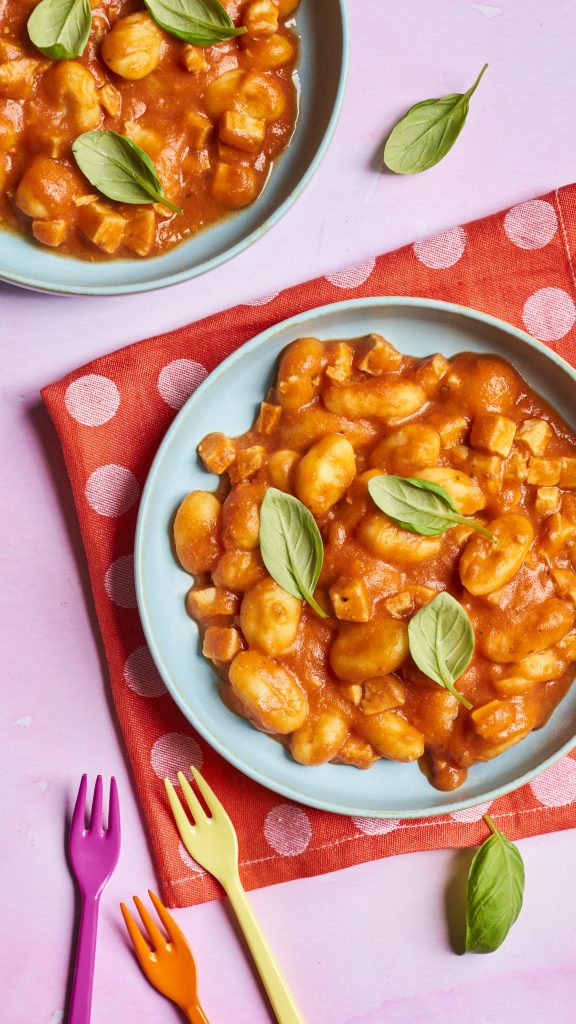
[356,558]
[141,146]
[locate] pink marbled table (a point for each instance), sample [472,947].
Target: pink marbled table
[362,946]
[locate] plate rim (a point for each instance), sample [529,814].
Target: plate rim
[34,284]
[215,742]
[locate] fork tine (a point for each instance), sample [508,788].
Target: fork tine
[173,931]
[209,795]
[183,825]
[113,829]
[157,940]
[138,941]
[196,810]
[78,815]
[96,813]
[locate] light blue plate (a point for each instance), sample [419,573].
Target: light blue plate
[227,401]
[322,28]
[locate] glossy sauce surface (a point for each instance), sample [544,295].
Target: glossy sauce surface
[212,120]
[345,688]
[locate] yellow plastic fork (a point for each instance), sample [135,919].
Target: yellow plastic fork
[211,840]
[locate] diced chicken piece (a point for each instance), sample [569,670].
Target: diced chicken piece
[210,602]
[140,231]
[234,185]
[50,232]
[382,694]
[493,433]
[261,18]
[221,644]
[558,533]
[340,362]
[565,580]
[421,595]
[400,605]
[242,131]
[199,129]
[11,124]
[193,58]
[217,452]
[197,163]
[451,428]
[516,466]
[148,140]
[432,372]
[248,462]
[544,472]
[268,418]
[102,225]
[489,467]
[568,473]
[535,434]
[548,500]
[377,355]
[110,99]
[350,600]
[351,692]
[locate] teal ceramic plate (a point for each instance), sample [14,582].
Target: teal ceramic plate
[227,401]
[322,30]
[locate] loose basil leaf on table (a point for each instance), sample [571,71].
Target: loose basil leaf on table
[291,545]
[427,132]
[60,28]
[119,169]
[494,892]
[201,22]
[441,641]
[419,505]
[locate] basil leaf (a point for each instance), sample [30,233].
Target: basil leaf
[119,169]
[201,22]
[441,641]
[427,132]
[494,892]
[60,28]
[291,545]
[419,505]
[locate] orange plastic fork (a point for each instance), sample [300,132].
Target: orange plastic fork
[169,965]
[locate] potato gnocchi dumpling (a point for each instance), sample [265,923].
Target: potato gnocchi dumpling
[213,120]
[342,686]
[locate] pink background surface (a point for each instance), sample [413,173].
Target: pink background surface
[362,946]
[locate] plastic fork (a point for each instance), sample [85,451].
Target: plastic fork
[93,855]
[169,965]
[211,840]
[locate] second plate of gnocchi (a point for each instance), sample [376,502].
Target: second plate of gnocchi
[379,573]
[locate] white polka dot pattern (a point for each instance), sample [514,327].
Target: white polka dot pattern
[556,787]
[549,314]
[287,830]
[443,250]
[174,753]
[263,300]
[112,490]
[189,861]
[179,379]
[352,277]
[119,582]
[141,674]
[531,225]
[92,400]
[470,814]
[376,826]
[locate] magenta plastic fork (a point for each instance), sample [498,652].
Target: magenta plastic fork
[93,856]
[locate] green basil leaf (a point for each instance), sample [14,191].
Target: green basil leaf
[494,892]
[119,169]
[427,132]
[441,641]
[201,22]
[291,545]
[418,505]
[60,28]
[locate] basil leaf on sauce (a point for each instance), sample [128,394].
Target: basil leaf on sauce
[60,28]
[494,892]
[291,545]
[201,22]
[441,641]
[119,169]
[427,132]
[419,505]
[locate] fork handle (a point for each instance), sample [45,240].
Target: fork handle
[81,999]
[280,996]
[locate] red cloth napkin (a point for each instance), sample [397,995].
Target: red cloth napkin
[111,416]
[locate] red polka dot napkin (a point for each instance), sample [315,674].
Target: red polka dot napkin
[111,416]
